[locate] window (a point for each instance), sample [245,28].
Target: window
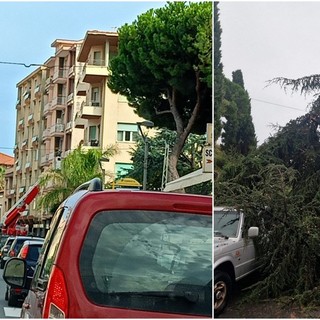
[127,132]
[97,61]
[170,267]
[92,133]
[49,250]
[95,96]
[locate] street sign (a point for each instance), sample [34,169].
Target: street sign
[207,159]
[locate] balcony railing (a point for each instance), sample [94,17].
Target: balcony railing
[58,101]
[57,128]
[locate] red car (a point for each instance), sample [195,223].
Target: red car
[122,254]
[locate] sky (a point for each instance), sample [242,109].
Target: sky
[266,40]
[27,30]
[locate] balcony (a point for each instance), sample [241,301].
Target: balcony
[27,97]
[94,71]
[71,72]
[57,130]
[70,98]
[91,111]
[82,88]
[47,108]
[59,76]
[21,125]
[49,82]
[45,160]
[11,193]
[22,190]
[34,141]
[46,134]
[37,91]
[24,144]
[58,103]
[18,104]
[79,122]
[69,126]
[30,119]
[91,144]
[28,166]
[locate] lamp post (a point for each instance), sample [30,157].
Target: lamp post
[147,124]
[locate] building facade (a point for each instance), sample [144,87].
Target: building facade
[109,118]
[63,103]
[7,163]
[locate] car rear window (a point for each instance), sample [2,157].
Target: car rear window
[33,252]
[153,261]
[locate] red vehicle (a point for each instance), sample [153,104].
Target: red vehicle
[11,225]
[122,254]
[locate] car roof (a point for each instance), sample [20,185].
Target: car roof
[141,200]
[33,242]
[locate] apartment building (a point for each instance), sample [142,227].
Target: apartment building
[63,102]
[7,163]
[110,120]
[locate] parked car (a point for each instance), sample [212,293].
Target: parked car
[121,254]
[234,254]
[5,249]
[29,251]
[16,246]
[3,240]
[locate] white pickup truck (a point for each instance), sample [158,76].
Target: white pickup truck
[234,254]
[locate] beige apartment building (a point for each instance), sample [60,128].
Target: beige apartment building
[109,119]
[62,103]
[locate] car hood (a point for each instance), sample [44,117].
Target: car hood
[220,242]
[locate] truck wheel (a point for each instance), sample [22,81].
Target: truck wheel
[222,291]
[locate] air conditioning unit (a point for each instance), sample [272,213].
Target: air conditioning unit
[57,164]
[94,143]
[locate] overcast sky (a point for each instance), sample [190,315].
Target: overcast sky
[27,30]
[267,40]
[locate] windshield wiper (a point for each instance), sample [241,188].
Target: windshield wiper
[187,295]
[220,234]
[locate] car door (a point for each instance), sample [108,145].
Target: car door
[245,253]
[34,302]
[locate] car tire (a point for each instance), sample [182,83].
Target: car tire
[222,291]
[12,299]
[2,263]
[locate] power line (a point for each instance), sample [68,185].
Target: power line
[23,64]
[276,104]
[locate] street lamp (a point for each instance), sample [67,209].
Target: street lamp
[147,124]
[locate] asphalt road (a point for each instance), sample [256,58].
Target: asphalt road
[5,311]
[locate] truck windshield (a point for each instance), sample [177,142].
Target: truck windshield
[226,223]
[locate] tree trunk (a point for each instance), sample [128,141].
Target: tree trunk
[182,133]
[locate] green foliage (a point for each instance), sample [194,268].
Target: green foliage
[158,59]
[218,74]
[277,186]
[189,160]
[239,133]
[78,167]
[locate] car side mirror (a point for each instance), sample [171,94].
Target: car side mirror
[253,232]
[14,273]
